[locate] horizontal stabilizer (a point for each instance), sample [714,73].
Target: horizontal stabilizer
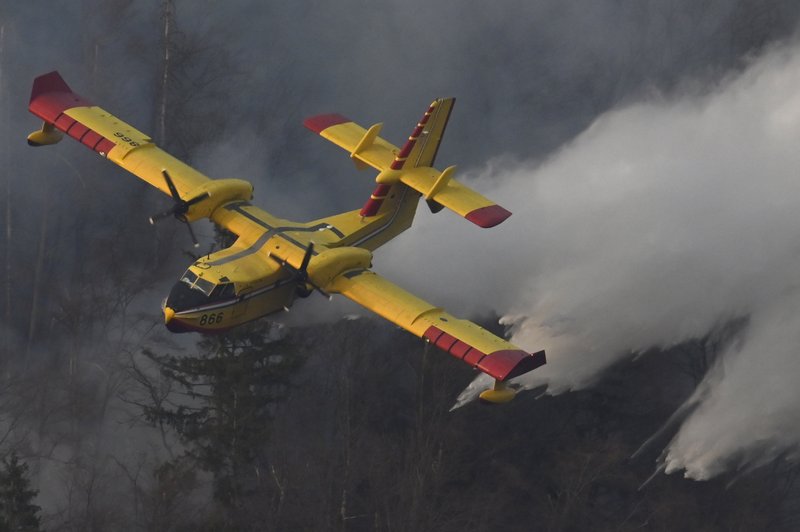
[346,134]
[413,164]
[456,196]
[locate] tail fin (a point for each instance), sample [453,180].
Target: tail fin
[419,150]
[423,144]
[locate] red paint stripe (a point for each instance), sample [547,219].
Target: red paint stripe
[104,147]
[91,139]
[375,201]
[474,357]
[488,216]
[401,157]
[319,123]
[382,190]
[64,122]
[445,342]
[432,334]
[77,131]
[371,207]
[459,349]
[502,365]
[405,151]
[397,165]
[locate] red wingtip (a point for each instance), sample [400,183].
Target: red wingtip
[319,123]
[50,82]
[504,365]
[488,216]
[51,96]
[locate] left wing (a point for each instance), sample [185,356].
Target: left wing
[62,110]
[461,338]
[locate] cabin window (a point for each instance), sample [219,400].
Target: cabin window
[225,290]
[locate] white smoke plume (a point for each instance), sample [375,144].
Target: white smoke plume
[660,222]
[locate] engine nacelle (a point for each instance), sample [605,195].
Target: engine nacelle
[220,191]
[332,262]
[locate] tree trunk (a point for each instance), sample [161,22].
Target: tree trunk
[167,15]
[37,276]
[7,217]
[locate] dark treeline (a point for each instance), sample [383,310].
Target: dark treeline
[107,422]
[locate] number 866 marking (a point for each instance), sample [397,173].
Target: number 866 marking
[211,319]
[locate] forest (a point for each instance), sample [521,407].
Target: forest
[326,417]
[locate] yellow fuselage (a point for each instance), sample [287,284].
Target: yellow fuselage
[243,282]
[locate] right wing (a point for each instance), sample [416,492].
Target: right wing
[62,110]
[461,338]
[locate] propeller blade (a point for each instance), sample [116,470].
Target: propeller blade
[283,263]
[307,259]
[191,233]
[320,290]
[171,186]
[196,199]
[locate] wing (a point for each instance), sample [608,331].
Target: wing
[461,338]
[62,110]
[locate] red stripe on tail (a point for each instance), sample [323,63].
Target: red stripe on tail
[375,201]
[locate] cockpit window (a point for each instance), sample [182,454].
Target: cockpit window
[189,277]
[204,286]
[198,283]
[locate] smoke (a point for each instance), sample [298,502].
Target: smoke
[661,222]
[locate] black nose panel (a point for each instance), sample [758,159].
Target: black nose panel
[182,297]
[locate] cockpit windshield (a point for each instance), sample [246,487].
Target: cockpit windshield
[204,286]
[189,277]
[198,283]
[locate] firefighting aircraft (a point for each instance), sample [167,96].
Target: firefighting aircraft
[273,261]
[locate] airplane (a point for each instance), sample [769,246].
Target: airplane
[273,261]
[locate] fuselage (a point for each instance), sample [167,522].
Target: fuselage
[247,280]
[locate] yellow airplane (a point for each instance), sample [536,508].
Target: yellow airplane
[273,261]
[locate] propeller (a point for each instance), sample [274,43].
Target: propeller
[300,275]
[179,208]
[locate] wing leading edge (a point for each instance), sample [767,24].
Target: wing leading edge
[462,339]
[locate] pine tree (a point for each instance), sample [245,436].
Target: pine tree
[229,394]
[17,511]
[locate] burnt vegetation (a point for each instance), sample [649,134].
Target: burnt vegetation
[109,423]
